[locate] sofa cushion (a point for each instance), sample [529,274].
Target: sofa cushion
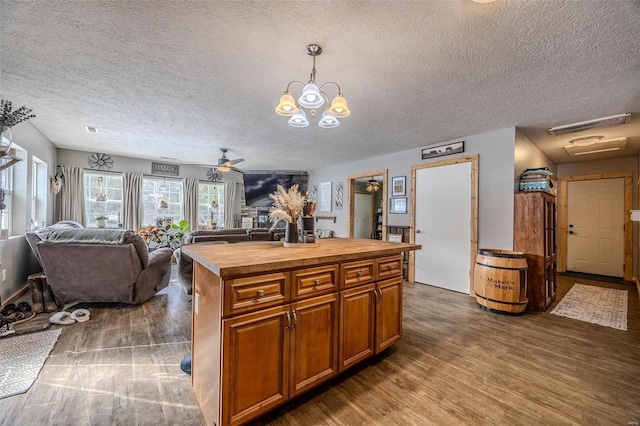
[88,236]
[230,238]
[260,234]
[231,235]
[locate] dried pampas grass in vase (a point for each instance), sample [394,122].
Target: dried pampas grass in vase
[287,207]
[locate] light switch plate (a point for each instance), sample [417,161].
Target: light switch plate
[196,304]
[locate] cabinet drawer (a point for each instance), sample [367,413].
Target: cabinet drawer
[389,267]
[314,281]
[356,273]
[257,292]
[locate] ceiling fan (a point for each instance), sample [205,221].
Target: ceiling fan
[224,165]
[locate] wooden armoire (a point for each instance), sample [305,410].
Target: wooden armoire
[534,233]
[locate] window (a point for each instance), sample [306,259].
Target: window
[34,192]
[161,199]
[103,197]
[6,182]
[39,193]
[210,204]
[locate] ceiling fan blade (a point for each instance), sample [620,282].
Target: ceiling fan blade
[236,161]
[225,169]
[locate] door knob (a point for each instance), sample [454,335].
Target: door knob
[572,233]
[417,231]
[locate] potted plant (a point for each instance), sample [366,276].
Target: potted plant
[101,221]
[287,207]
[8,119]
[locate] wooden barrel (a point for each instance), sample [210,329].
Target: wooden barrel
[500,281]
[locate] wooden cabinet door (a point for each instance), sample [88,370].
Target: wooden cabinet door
[314,342]
[550,283]
[388,313]
[357,323]
[255,364]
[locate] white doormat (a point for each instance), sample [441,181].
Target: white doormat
[598,305]
[21,359]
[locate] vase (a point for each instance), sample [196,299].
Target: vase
[291,233]
[101,223]
[5,139]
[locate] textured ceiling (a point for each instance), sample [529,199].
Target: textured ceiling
[182,79]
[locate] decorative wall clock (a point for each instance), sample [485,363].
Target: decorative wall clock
[100,161]
[214,175]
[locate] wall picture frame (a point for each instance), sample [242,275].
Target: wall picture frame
[398,186]
[440,150]
[398,205]
[326,197]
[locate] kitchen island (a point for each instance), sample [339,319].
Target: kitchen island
[271,322]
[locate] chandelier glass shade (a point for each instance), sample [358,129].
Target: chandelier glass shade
[287,105]
[299,119]
[313,97]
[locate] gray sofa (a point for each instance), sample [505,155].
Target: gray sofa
[102,265]
[224,236]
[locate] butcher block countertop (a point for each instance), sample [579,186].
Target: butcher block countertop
[229,260]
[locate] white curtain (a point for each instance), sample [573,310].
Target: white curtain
[230,205]
[191,202]
[72,194]
[132,208]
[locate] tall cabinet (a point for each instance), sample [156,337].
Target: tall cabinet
[534,233]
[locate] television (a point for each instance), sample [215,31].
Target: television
[258,186]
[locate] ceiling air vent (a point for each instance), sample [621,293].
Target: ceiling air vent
[614,120]
[91,129]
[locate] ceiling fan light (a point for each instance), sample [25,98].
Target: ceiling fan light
[328,121]
[299,120]
[287,105]
[224,168]
[339,107]
[586,141]
[311,97]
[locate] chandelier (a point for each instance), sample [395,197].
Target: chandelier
[373,185]
[313,97]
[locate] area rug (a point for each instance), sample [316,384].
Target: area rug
[22,358]
[598,305]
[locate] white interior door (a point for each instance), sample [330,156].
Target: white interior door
[595,244]
[362,221]
[443,226]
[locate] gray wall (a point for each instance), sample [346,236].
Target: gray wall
[528,156]
[496,171]
[15,254]
[68,157]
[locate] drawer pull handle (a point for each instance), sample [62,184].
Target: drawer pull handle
[317,282]
[360,274]
[389,266]
[260,293]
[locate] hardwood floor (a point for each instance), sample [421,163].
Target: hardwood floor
[456,364]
